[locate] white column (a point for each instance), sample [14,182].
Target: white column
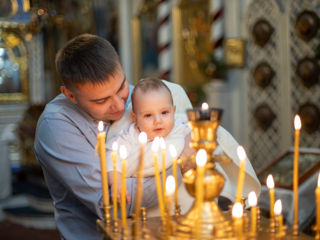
[232,20]
[37,81]
[235,79]
[124,10]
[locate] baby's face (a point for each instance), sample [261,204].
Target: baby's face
[154,113]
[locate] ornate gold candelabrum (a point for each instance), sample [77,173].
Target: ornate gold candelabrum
[204,220]
[204,124]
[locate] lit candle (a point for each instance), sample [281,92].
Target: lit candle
[297,126]
[201,160]
[204,106]
[142,140]
[163,162]
[123,156]
[318,203]
[204,113]
[270,185]
[101,142]
[115,186]
[173,153]
[170,188]
[277,211]
[242,156]
[252,199]
[237,212]
[155,150]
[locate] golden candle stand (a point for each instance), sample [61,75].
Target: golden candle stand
[152,229]
[204,221]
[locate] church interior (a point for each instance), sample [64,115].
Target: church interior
[258,60]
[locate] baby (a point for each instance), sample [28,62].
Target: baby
[153,112]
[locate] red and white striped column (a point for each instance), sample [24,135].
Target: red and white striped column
[217,27]
[164,39]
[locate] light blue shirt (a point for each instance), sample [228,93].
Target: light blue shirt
[65,147]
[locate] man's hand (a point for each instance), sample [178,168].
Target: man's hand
[186,154]
[110,181]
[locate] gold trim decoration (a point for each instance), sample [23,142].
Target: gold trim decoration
[191,41]
[147,9]
[136,49]
[234,52]
[13,45]
[26,5]
[177,47]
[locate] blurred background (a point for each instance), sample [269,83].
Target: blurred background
[258,60]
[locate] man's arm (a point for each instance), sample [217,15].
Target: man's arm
[64,151]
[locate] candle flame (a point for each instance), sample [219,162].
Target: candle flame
[123,152]
[100,126]
[201,157]
[237,210]
[278,207]
[297,122]
[155,144]
[162,143]
[241,153]
[204,106]
[270,181]
[114,146]
[252,199]
[173,151]
[143,138]
[170,185]
[319,180]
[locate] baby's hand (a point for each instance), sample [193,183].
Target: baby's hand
[110,181]
[186,157]
[187,150]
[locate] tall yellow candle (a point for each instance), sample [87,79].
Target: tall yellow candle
[242,156]
[173,153]
[101,145]
[297,126]
[270,185]
[115,185]
[277,211]
[162,145]
[252,199]
[155,150]
[142,140]
[123,156]
[317,192]
[201,160]
[163,162]
[237,212]
[170,187]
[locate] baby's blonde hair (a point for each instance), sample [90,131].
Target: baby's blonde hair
[149,83]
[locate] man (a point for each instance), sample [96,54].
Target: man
[94,88]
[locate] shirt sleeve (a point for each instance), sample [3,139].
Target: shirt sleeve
[66,154]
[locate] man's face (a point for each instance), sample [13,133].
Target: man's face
[154,113]
[101,101]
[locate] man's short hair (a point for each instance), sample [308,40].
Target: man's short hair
[86,58]
[147,84]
